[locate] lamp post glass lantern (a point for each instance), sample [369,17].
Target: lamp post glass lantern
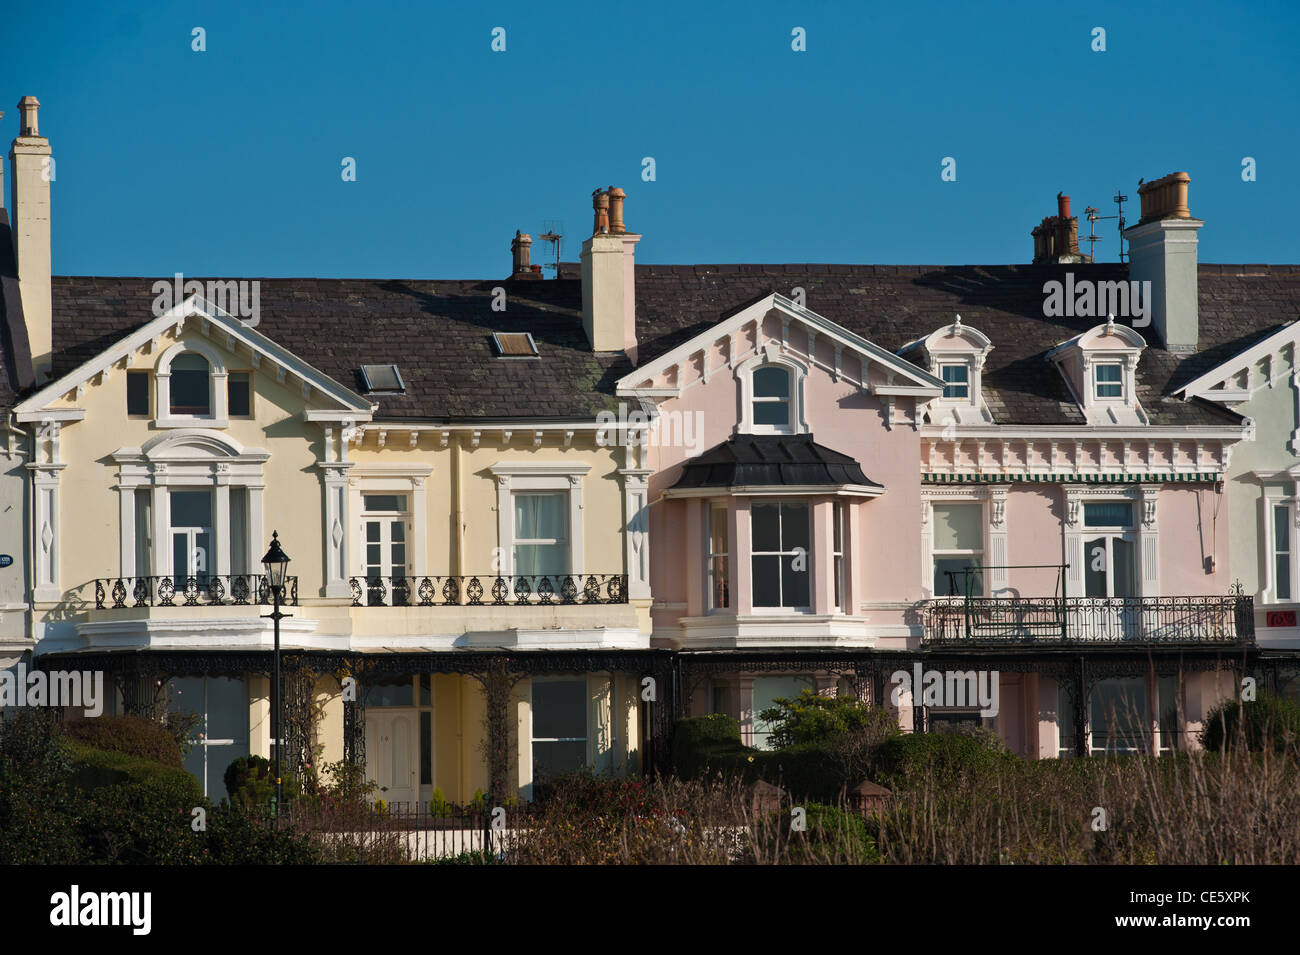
[276,563]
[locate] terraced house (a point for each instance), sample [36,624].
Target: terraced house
[467,585]
[940,470]
[533,520]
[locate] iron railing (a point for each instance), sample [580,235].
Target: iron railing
[518,590]
[996,621]
[206,590]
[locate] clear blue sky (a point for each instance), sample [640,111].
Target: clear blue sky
[227,162]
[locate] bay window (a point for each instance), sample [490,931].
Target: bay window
[780,535]
[717,565]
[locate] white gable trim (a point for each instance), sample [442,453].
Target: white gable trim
[818,325]
[1244,362]
[212,318]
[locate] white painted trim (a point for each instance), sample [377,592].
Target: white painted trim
[176,317]
[514,476]
[797,419]
[725,329]
[1203,386]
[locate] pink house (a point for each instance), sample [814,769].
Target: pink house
[862,475]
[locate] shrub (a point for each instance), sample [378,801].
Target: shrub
[1268,721]
[93,769]
[250,782]
[813,719]
[37,812]
[132,735]
[438,805]
[944,755]
[134,810]
[233,838]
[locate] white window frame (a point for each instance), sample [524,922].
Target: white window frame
[406,480]
[1110,533]
[169,462]
[809,555]
[964,366]
[1279,495]
[1098,384]
[937,554]
[404,514]
[710,506]
[217,384]
[797,422]
[538,476]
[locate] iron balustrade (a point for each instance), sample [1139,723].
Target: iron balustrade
[996,621]
[489,591]
[205,590]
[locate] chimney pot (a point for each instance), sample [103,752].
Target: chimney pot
[28,106]
[1063,205]
[600,203]
[616,197]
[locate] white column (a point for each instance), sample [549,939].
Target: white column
[334,476]
[1072,525]
[126,533]
[221,532]
[576,564]
[1149,544]
[45,480]
[636,531]
[162,520]
[255,538]
[997,553]
[420,528]
[505,532]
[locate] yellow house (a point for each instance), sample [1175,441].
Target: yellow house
[468,591]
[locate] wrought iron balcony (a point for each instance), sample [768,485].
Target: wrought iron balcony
[206,590]
[489,591]
[1001,621]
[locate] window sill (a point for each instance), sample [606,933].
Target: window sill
[172,421]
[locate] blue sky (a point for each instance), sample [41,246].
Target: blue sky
[227,162]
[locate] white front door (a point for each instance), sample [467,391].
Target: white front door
[390,753]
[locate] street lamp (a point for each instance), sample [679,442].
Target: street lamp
[276,563]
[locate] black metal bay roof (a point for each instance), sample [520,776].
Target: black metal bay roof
[772,460]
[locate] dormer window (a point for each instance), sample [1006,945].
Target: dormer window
[1109,380]
[956,381]
[1100,366]
[955,354]
[190,395]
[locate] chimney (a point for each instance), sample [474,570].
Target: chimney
[29,156]
[1162,251]
[1056,238]
[609,277]
[521,249]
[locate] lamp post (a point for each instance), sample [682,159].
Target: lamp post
[276,563]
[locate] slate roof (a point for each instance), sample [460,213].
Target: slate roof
[771,460]
[439,332]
